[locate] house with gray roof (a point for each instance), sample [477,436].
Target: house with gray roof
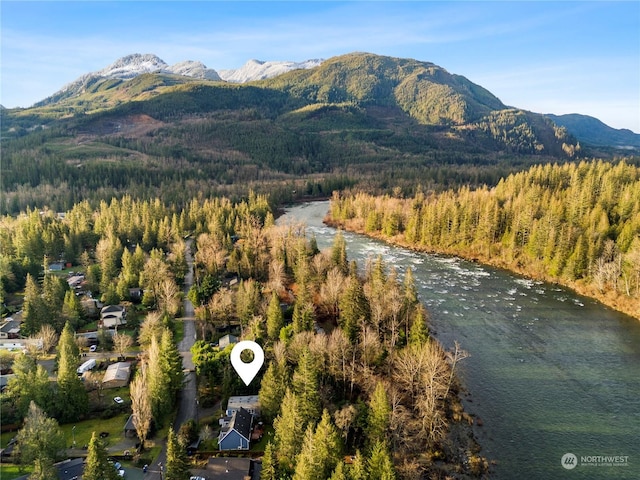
[117,375]
[237,435]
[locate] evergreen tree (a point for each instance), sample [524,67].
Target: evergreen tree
[339,473]
[67,346]
[289,427]
[326,446]
[269,464]
[43,469]
[303,317]
[159,381]
[380,464]
[306,387]
[379,416]
[275,319]
[33,309]
[30,383]
[247,301]
[171,363]
[306,465]
[272,390]
[354,308]
[177,467]
[419,333]
[359,469]
[72,400]
[72,309]
[339,253]
[53,291]
[40,438]
[97,465]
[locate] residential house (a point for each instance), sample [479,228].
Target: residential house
[71,469]
[237,435]
[4,381]
[227,340]
[135,294]
[113,316]
[20,344]
[117,375]
[10,329]
[251,403]
[75,281]
[56,267]
[230,468]
[130,428]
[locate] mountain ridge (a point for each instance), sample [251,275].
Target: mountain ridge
[593,131]
[133,65]
[587,130]
[356,119]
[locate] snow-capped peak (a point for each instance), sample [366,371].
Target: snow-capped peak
[136,64]
[132,66]
[259,70]
[190,68]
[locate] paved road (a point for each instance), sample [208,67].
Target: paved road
[187,408]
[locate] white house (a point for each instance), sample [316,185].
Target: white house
[20,344]
[113,316]
[251,403]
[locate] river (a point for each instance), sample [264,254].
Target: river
[550,372]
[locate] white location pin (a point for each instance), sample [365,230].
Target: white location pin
[247,371]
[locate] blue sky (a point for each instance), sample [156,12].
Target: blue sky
[546,56]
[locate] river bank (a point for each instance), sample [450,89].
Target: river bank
[549,372]
[611,299]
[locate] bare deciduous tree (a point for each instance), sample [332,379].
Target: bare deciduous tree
[169,296]
[331,290]
[277,276]
[141,404]
[221,306]
[151,327]
[48,336]
[340,352]
[121,343]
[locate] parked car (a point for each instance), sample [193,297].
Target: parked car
[93,348]
[118,400]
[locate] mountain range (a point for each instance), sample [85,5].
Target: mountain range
[142,127]
[136,64]
[586,129]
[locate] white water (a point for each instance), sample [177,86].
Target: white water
[549,372]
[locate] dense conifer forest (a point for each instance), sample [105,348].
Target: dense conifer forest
[577,224]
[363,119]
[125,179]
[350,365]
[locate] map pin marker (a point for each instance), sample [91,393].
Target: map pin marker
[247,371]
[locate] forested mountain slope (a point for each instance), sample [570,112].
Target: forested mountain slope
[359,118]
[578,224]
[592,131]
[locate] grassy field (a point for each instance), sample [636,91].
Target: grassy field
[83,430]
[9,471]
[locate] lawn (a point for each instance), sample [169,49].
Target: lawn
[179,331]
[266,438]
[83,430]
[9,471]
